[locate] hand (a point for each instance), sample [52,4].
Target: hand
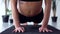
[19,29]
[44,29]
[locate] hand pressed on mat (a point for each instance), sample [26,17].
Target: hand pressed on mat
[19,29]
[44,29]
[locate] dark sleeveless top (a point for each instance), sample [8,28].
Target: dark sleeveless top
[31,0]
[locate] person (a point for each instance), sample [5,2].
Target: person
[24,11]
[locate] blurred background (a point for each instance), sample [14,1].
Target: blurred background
[5,10]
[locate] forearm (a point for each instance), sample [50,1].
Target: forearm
[15,13]
[46,14]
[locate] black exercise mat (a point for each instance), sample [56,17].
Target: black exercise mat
[30,29]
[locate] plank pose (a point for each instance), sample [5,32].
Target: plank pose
[24,11]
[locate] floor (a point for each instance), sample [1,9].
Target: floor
[4,26]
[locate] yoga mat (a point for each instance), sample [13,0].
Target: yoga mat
[31,29]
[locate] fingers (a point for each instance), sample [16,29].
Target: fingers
[19,30]
[23,29]
[47,30]
[50,30]
[44,30]
[15,30]
[40,29]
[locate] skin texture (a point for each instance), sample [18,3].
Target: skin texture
[30,9]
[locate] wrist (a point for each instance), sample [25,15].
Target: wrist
[45,23]
[44,26]
[17,24]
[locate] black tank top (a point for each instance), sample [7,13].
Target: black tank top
[30,0]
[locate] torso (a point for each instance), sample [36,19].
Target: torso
[30,8]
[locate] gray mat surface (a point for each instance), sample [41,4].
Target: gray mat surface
[30,29]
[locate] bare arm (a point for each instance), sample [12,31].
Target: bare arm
[46,12]
[15,13]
